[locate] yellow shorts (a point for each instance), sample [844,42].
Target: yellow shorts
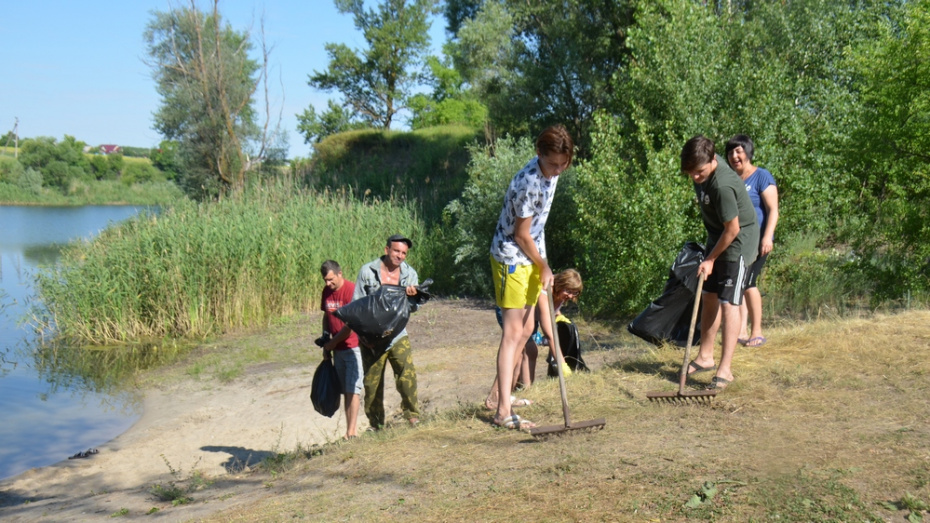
[515,286]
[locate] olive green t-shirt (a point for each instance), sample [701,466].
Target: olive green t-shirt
[723,197]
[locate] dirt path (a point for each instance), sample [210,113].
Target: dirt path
[223,429]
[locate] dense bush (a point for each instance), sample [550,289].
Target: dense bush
[471,218]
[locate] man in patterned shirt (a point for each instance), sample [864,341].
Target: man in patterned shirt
[518,257]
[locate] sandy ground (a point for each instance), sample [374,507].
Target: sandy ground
[223,429]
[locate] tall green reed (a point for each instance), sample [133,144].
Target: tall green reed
[200,269]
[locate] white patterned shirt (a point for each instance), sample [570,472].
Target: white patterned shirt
[529,195]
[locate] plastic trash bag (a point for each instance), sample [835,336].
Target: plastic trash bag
[379,317]
[668,318]
[570,345]
[325,389]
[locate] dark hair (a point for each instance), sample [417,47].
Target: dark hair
[698,151]
[740,140]
[329,265]
[555,140]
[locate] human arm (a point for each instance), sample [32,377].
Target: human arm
[524,240]
[730,231]
[340,336]
[770,201]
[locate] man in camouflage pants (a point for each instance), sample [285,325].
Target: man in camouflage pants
[390,269]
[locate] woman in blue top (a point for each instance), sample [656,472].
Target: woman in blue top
[760,184]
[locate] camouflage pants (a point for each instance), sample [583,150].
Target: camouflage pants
[405,379]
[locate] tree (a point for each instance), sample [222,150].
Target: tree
[888,148]
[537,63]
[449,103]
[376,82]
[59,162]
[207,80]
[335,119]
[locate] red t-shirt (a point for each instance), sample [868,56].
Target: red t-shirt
[332,300]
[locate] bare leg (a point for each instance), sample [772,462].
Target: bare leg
[352,403]
[744,318]
[710,324]
[528,365]
[753,302]
[518,325]
[731,318]
[491,401]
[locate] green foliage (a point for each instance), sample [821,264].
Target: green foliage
[449,103]
[632,220]
[537,63]
[59,162]
[137,152]
[139,173]
[206,80]
[178,489]
[472,217]
[165,159]
[887,149]
[425,166]
[376,82]
[196,270]
[8,140]
[335,119]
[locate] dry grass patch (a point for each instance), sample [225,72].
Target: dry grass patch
[826,422]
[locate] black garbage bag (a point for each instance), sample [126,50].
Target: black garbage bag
[325,389]
[668,318]
[570,345]
[383,314]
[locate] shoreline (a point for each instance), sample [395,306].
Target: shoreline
[219,430]
[222,428]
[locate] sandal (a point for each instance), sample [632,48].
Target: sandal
[520,402]
[718,383]
[514,422]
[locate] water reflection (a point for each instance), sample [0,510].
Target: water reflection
[99,369]
[57,399]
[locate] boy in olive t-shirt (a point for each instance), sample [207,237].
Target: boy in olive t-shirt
[732,245]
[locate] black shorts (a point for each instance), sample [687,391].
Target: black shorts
[728,281]
[755,270]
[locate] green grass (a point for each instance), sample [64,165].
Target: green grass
[105,192]
[200,269]
[424,167]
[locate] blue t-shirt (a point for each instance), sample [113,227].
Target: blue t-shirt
[756,184]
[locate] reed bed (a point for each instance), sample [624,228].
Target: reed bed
[201,269]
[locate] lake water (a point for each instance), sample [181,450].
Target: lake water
[47,412]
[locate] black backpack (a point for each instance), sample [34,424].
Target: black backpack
[570,344]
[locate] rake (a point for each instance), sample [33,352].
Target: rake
[683,396]
[558,430]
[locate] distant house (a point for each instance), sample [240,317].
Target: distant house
[110,149]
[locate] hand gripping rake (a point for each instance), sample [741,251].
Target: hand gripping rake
[568,426]
[682,395]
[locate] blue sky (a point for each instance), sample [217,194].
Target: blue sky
[76,67]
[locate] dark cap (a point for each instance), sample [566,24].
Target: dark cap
[399,238]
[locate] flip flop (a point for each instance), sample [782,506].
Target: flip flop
[520,402]
[758,341]
[514,422]
[697,368]
[742,341]
[718,383]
